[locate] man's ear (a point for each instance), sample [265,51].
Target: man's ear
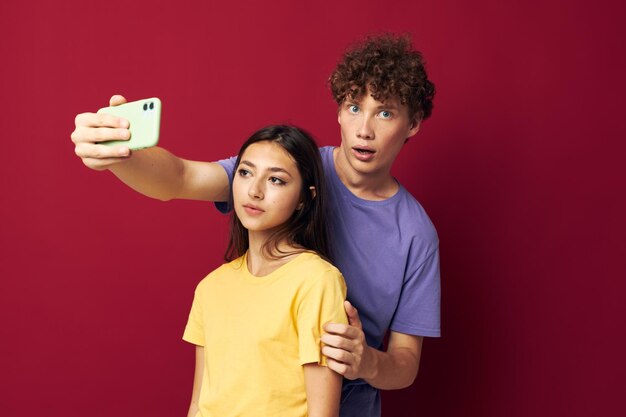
[415,127]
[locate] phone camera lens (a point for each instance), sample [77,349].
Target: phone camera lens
[151,106]
[145,106]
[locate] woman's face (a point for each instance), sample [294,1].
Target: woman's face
[266,187]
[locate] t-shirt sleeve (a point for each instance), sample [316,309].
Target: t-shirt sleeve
[194,330]
[321,303]
[418,308]
[229,166]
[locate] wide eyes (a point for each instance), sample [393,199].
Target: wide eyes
[384,114]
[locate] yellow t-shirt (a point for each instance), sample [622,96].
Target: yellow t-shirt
[257,332]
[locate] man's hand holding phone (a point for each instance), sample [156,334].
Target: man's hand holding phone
[92,129]
[108,137]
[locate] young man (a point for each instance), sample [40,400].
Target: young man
[384,243]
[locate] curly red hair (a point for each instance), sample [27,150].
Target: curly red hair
[388,67]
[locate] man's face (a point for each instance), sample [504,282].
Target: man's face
[372,134]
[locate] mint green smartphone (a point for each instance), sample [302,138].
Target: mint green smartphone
[144,117]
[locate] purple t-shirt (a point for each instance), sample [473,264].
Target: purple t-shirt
[388,252]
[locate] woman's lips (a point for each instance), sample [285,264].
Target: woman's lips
[252,210]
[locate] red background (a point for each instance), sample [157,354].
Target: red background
[521,168]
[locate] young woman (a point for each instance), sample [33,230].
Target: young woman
[257,320]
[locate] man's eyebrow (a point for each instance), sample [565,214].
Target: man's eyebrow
[387,105]
[382,106]
[271,169]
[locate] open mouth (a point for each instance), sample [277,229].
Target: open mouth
[363,154]
[364,151]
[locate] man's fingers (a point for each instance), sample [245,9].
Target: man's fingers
[335,328]
[92,129]
[94,151]
[103,134]
[337,341]
[344,330]
[100,164]
[337,354]
[116,100]
[352,313]
[339,367]
[100,120]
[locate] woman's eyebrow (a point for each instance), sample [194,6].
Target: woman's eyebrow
[271,169]
[278,169]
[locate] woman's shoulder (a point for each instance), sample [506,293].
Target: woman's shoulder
[317,280]
[313,260]
[316,269]
[226,269]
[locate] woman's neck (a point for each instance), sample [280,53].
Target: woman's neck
[259,261]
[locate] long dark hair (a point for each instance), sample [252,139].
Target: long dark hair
[306,228]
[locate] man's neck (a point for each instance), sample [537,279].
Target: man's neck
[374,186]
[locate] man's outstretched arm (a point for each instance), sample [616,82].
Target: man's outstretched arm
[348,354]
[153,172]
